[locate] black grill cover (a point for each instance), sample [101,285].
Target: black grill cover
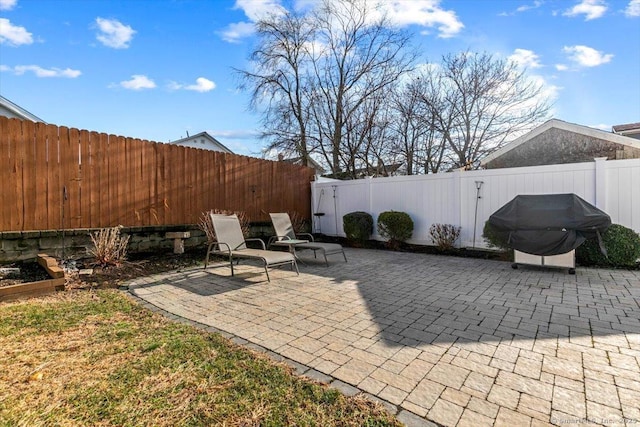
[548,224]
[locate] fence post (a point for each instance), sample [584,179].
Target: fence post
[600,183]
[369,194]
[457,199]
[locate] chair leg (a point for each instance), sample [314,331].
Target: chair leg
[295,264]
[266,270]
[344,255]
[206,260]
[231,264]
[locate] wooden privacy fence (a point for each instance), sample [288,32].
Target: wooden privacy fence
[63,178]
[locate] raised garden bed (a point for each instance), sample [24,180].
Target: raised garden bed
[55,282]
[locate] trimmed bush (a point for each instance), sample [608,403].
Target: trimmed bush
[358,226]
[494,238]
[396,227]
[444,235]
[622,244]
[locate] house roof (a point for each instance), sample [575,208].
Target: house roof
[371,171]
[626,127]
[298,161]
[559,124]
[201,135]
[18,111]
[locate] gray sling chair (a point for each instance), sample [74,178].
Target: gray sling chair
[231,243]
[284,231]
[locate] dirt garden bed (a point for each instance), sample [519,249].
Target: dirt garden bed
[28,282]
[32,278]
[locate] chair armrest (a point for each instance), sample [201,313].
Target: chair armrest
[309,236]
[273,239]
[257,240]
[219,245]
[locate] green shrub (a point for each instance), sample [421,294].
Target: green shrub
[395,226]
[444,235]
[358,226]
[622,244]
[494,238]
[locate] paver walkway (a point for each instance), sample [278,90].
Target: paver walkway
[457,341]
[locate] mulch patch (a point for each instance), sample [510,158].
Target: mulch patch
[136,265]
[30,271]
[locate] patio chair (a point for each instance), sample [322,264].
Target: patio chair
[284,233]
[231,243]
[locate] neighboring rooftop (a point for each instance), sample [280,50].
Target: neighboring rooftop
[557,141]
[298,161]
[14,111]
[203,141]
[632,130]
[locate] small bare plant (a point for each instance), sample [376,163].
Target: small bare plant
[444,235]
[299,223]
[109,247]
[206,225]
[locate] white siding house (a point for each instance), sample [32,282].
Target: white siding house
[203,141]
[14,111]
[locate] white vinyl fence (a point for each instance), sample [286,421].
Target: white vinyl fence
[454,197]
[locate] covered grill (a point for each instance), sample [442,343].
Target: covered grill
[548,224]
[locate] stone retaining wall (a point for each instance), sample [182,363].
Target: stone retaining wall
[25,245]
[75,244]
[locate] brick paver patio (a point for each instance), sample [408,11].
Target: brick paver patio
[454,341]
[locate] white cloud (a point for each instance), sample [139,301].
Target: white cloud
[235,134]
[254,10]
[202,85]
[138,82]
[236,31]
[601,126]
[113,33]
[525,58]
[586,56]
[13,35]
[633,9]
[44,72]
[302,5]
[549,91]
[7,4]
[592,9]
[561,67]
[258,9]
[525,7]
[426,13]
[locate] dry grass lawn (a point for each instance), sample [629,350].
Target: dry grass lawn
[97,358]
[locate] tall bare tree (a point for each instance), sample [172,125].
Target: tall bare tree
[311,74]
[478,101]
[279,81]
[357,57]
[414,135]
[324,84]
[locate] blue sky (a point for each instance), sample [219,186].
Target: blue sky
[157,69]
